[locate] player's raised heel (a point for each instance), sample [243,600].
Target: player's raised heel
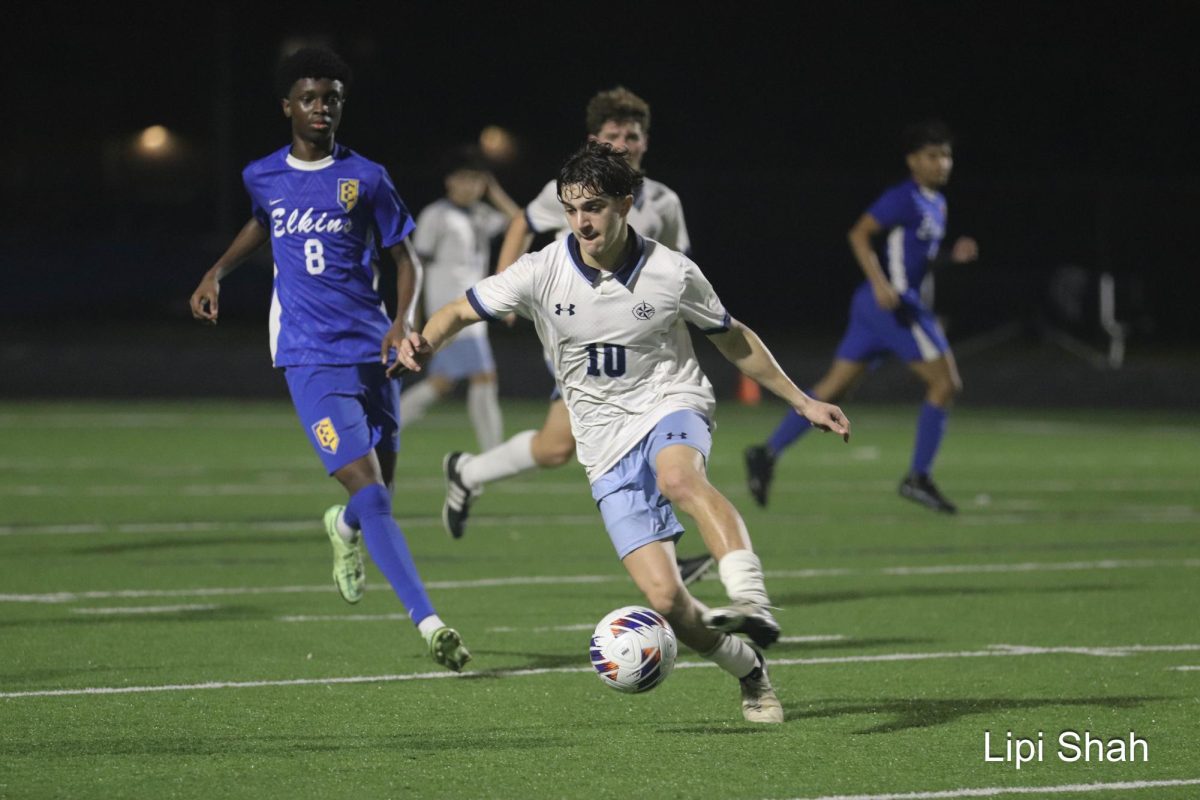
[921,489]
[447,649]
[759,701]
[760,470]
[693,569]
[742,616]
[349,576]
[458,497]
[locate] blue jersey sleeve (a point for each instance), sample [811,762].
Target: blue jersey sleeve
[392,217]
[256,203]
[894,207]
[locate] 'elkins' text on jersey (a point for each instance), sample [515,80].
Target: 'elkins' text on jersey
[619,341]
[326,219]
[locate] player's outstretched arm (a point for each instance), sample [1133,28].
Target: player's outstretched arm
[516,242]
[416,349]
[408,288]
[204,300]
[500,199]
[860,244]
[742,347]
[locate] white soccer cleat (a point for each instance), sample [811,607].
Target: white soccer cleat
[742,616]
[759,701]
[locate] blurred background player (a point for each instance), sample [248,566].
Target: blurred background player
[639,404]
[888,315]
[622,119]
[321,205]
[453,239]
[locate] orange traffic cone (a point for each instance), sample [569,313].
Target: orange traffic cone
[748,392]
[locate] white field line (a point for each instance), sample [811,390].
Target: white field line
[960,569]
[1186,668]
[116,610]
[992,651]
[283,526]
[1000,791]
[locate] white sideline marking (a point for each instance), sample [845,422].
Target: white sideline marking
[298,526]
[343,618]
[145,609]
[997,791]
[993,651]
[833,637]
[1049,566]
[1186,668]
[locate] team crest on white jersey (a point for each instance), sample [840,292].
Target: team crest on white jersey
[348,193]
[643,310]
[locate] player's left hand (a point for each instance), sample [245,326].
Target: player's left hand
[413,352]
[965,249]
[827,417]
[392,340]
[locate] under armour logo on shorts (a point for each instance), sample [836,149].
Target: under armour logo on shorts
[677,435]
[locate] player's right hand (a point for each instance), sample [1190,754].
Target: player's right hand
[886,296]
[204,301]
[412,354]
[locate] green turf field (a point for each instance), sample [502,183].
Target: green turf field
[168,627]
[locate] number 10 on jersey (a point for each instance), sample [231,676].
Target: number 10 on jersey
[614,359]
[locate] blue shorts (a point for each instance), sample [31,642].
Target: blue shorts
[463,358]
[347,411]
[910,331]
[635,512]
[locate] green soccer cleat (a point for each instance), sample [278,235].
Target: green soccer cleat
[349,576]
[447,649]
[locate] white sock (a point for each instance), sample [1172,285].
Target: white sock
[343,528]
[430,625]
[733,655]
[742,574]
[511,458]
[415,402]
[483,406]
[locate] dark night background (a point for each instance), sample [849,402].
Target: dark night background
[777,124]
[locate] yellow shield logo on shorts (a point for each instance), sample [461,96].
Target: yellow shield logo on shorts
[327,436]
[348,193]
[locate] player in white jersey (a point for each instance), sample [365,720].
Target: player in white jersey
[453,238]
[612,308]
[621,118]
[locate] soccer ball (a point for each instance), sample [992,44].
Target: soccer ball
[633,649]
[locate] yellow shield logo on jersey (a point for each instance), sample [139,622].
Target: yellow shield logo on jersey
[327,435]
[348,193]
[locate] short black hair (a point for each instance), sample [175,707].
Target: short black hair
[311,62]
[464,157]
[926,132]
[598,168]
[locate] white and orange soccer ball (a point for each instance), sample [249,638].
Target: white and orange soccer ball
[633,649]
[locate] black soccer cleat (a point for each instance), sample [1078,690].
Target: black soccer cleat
[760,470]
[921,489]
[742,616]
[458,497]
[693,569]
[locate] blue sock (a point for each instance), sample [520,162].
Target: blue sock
[371,511]
[931,425]
[790,429]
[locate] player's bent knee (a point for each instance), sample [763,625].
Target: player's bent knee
[679,484]
[549,452]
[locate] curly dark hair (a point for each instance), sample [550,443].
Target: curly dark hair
[599,169]
[920,134]
[311,62]
[617,104]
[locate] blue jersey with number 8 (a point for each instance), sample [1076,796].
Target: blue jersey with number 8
[326,220]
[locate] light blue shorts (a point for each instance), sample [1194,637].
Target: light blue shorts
[463,358]
[635,512]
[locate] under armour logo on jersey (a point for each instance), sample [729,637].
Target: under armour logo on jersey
[643,311]
[570,309]
[677,435]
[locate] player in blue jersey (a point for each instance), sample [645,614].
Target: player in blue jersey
[888,315]
[325,210]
